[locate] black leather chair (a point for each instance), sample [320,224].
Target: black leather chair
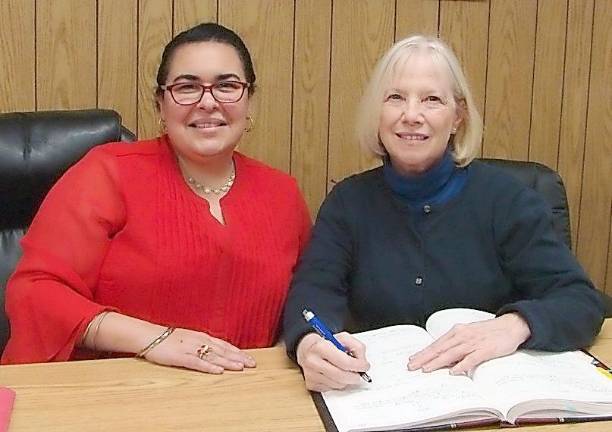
[549,184]
[36,148]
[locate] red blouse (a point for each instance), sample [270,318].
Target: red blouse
[121,230]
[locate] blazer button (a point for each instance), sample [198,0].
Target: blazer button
[426,209]
[418,281]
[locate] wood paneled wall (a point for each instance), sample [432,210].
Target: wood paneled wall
[540,72]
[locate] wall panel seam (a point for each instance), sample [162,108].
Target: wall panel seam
[563,105]
[291,125]
[586,127]
[533,76]
[35,55]
[329,102]
[484,107]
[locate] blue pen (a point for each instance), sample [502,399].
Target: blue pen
[326,334]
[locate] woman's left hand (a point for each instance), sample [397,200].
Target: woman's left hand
[465,346]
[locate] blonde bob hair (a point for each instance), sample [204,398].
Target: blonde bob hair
[466,141]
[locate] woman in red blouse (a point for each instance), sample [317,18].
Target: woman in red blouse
[177,249]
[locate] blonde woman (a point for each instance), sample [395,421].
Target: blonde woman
[433,229]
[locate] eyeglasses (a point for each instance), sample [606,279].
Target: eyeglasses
[190,93]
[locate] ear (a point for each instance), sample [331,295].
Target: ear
[159,103]
[460,113]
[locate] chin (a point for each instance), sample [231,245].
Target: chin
[212,151]
[208,148]
[412,165]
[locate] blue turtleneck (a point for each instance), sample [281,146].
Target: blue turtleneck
[436,186]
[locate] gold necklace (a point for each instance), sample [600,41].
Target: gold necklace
[209,189]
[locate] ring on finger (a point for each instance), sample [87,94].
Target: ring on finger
[203,351]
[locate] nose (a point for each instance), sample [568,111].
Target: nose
[207,102]
[412,111]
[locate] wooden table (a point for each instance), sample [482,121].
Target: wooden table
[129,394]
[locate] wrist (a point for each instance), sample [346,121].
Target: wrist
[159,339]
[518,326]
[122,333]
[304,345]
[143,334]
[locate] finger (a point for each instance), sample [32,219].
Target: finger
[248,360]
[223,362]
[340,359]
[231,353]
[315,361]
[354,345]
[470,361]
[445,342]
[448,357]
[194,363]
[336,374]
[416,361]
[225,344]
[318,382]
[423,357]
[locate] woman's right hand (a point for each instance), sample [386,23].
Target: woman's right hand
[181,349]
[326,367]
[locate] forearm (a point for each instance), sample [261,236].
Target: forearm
[560,323]
[114,332]
[557,299]
[327,303]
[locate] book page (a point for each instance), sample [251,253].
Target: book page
[442,321]
[397,396]
[529,375]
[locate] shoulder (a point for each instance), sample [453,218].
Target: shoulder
[363,182]
[491,177]
[509,198]
[499,187]
[124,157]
[127,149]
[364,193]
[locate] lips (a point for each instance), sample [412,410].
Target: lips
[207,123]
[412,136]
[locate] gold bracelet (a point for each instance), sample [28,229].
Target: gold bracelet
[86,333]
[95,335]
[162,337]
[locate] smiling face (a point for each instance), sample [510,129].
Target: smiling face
[208,128]
[418,114]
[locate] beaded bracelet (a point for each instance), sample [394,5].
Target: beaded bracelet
[162,337]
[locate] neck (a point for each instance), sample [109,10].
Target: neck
[424,186]
[212,170]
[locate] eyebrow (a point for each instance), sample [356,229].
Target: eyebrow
[220,77]
[423,90]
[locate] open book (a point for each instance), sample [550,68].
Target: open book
[527,386]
